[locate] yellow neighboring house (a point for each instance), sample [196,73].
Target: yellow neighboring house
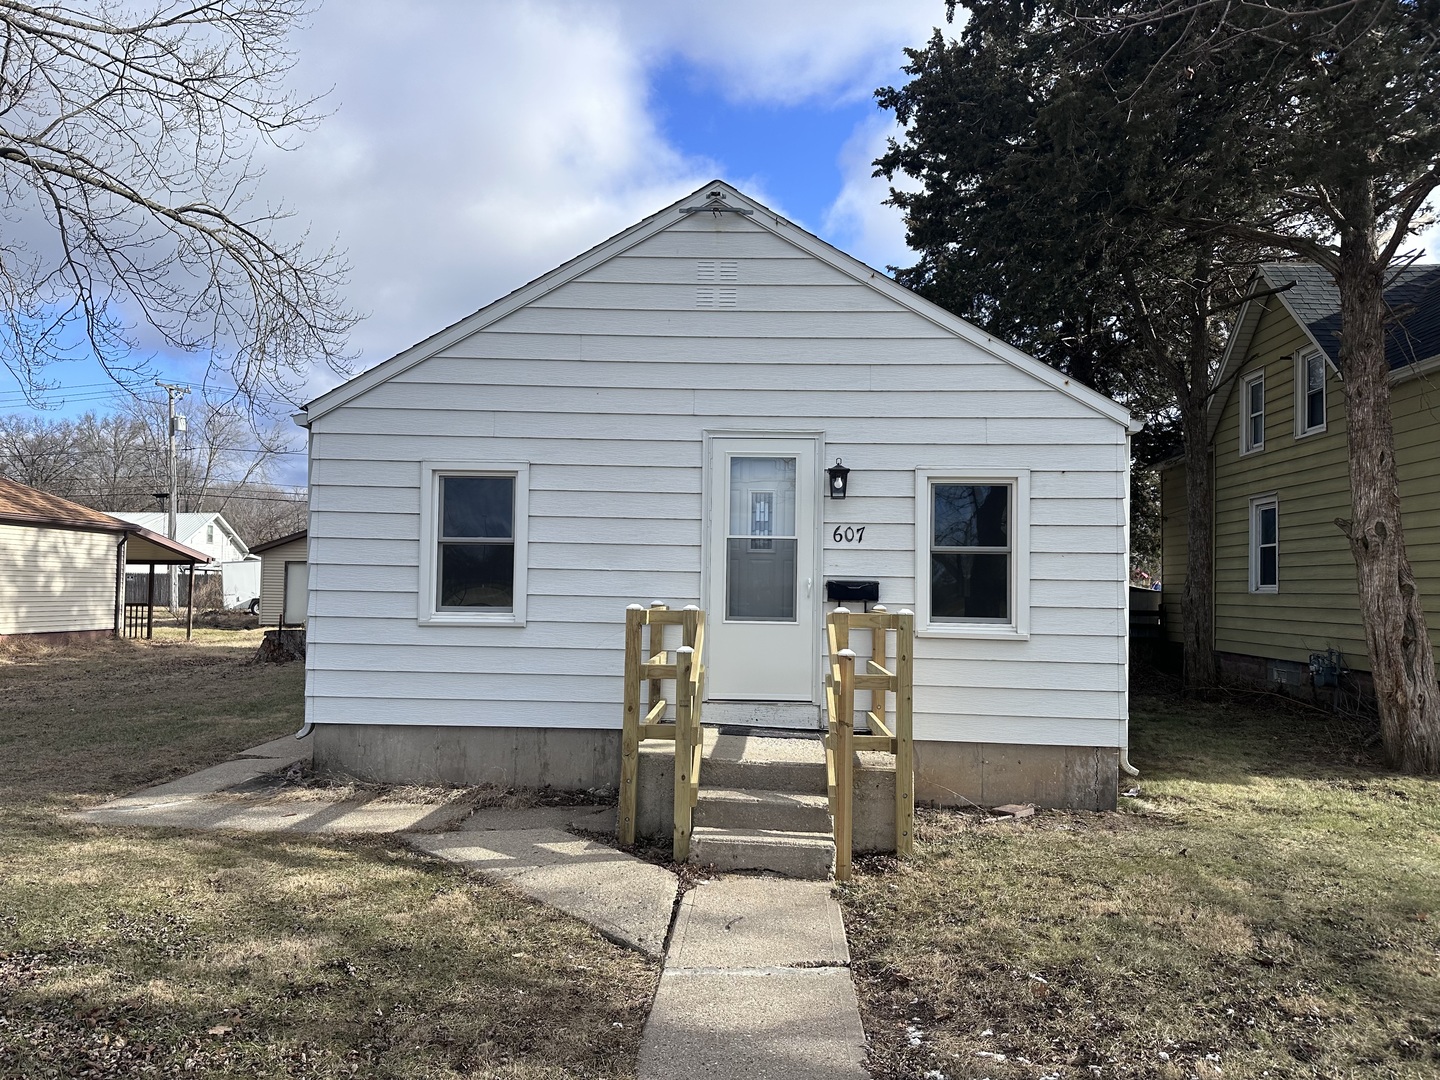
[1284,578]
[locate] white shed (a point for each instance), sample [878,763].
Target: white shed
[653,421]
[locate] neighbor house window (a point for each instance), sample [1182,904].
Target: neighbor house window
[473,544]
[209,534]
[1252,413]
[1309,394]
[1265,544]
[972,560]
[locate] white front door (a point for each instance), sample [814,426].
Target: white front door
[761,607]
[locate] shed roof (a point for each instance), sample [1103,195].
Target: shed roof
[765,218]
[24,505]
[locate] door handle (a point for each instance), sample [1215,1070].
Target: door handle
[809,586]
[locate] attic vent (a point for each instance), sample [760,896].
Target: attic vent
[729,270]
[705,296]
[705,270]
[725,295]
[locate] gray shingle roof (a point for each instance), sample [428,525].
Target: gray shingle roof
[1413,333]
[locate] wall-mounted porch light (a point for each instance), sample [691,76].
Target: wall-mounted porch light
[839,477]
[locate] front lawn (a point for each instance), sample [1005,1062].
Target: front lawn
[127,952]
[1268,907]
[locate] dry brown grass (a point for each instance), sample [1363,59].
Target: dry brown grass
[1270,907]
[128,952]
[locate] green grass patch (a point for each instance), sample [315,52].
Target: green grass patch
[134,952]
[1268,907]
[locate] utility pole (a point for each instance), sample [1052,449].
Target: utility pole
[177,425]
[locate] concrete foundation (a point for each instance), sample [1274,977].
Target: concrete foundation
[993,774]
[570,759]
[947,774]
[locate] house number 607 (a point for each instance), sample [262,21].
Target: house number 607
[849,534]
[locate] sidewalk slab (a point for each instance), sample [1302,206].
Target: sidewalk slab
[758,922]
[275,815]
[596,819]
[772,1024]
[627,900]
[207,781]
[287,747]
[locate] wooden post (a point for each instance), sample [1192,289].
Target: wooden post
[630,727]
[190,608]
[150,605]
[655,642]
[844,767]
[684,750]
[878,652]
[904,733]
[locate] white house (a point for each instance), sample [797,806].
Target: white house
[653,421]
[208,532]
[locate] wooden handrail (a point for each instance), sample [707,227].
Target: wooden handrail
[841,741]
[648,660]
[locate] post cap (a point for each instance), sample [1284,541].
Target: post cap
[633,607]
[848,653]
[842,611]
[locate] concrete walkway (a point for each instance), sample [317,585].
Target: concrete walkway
[756,978]
[756,984]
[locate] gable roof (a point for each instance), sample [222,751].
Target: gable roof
[24,505]
[766,219]
[278,541]
[1412,333]
[186,525]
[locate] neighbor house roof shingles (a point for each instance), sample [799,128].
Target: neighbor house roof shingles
[1413,332]
[23,505]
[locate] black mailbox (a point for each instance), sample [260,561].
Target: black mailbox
[843,591]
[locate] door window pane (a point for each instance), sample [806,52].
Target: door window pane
[760,583]
[760,556]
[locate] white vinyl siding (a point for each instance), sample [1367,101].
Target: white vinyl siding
[606,386]
[56,580]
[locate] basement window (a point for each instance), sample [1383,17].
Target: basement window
[473,543]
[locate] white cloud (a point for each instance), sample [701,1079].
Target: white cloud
[857,220]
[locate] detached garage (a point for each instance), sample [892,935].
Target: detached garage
[62,565]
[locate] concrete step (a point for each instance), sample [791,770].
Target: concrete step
[759,763]
[746,808]
[794,854]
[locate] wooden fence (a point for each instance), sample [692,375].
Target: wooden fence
[648,660]
[841,741]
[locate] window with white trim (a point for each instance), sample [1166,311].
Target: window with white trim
[1309,394]
[473,543]
[972,554]
[1252,413]
[1265,544]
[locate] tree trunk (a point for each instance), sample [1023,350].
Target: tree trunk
[1197,605]
[1402,661]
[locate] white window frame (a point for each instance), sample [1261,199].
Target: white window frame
[1246,446]
[430,473]
[1018,626]
[1257,504]
[1302,370]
